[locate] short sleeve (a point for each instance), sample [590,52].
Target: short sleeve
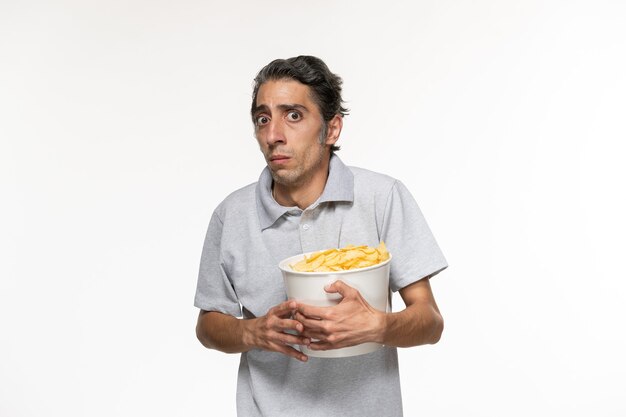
[408,238]
[214,291]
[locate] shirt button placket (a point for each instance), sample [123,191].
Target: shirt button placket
[306,236]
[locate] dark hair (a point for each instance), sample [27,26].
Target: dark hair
[313,72]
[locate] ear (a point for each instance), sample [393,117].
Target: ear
[334,129]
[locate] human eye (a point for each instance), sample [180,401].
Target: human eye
[262,120]
[294,116]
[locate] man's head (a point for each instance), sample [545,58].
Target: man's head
[324,86]
[298,117]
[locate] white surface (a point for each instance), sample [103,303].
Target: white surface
[308,287]
[124,123]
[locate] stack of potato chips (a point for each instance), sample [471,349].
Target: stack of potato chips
[350,257]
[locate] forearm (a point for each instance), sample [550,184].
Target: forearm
[223,332]
[418,324]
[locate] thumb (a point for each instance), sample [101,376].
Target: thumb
[339,287]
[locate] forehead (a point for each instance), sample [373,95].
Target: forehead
[274,93]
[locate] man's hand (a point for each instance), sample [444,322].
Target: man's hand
[232,335]
[351,322]
[268,332]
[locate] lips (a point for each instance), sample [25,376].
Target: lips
[278,158]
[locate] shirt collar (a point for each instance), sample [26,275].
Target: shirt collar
[339,187]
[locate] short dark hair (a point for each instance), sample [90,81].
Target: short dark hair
[313,72]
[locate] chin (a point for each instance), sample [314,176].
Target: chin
[282,179]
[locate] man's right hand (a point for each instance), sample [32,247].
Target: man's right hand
[229,334]
[269,332]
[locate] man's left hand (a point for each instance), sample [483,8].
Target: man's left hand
[351,322]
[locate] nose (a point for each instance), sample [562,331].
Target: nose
[275,132]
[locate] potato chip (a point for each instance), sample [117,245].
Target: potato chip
[349,257]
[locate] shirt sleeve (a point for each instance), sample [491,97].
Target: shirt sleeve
[214,291]
[415,253]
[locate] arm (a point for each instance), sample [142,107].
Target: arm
[419,323]
[354,321]
[231,335]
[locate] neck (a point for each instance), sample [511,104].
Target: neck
[305,194]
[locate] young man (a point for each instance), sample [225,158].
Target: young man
[306,200]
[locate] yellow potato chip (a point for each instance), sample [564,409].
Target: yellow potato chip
[363,264]
[317,262]
[373,257]
[351,254]
[323,268]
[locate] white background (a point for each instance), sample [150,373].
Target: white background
[124,123]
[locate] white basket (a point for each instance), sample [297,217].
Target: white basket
[308,287]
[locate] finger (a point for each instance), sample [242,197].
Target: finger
[321,345]
[331,342]
[340,287]
[313,312]
[288,324]
[284,309]
[289,351]
[311,335]
[310,323]
[314,329]
[292,339]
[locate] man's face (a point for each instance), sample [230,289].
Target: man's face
[288,126]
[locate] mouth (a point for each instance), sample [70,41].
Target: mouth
[279,159]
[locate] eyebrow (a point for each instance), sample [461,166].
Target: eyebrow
[264,108]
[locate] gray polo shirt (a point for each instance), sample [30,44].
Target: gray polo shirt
[249,233]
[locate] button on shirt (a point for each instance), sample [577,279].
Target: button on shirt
[250,233]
